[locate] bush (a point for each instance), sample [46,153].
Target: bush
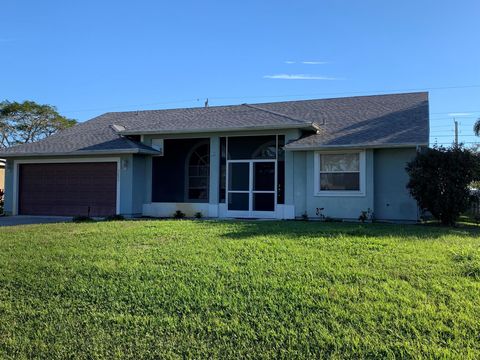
[198,215]
[366,215]
[179,215]
[305,216]
[82,218]
[440,179]
[363,216]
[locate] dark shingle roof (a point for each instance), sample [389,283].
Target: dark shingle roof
[93,136]
[379,120]
[215,118]
[362,120]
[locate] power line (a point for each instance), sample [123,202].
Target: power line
[474,118]
[449,133]
[452,135]
[445,132]
[357,92]
[457,111]
[129,106]
[377,92]
[467,121]
[448,126]
[451,142]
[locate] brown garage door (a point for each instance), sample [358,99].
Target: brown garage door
[68,189]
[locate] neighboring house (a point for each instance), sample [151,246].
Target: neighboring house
[2,174]
[329,157]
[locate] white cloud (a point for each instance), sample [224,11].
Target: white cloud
[307,62]
[300,77]
[460,114]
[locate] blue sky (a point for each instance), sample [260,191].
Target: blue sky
[89,57]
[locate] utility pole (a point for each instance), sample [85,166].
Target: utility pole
[456,131]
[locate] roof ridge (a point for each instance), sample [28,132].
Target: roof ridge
[346,97]
[278,114]
[264,103]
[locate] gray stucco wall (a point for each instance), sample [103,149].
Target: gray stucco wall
[392,200]
[8,197]
[290,168]
[214,184]
[345,207]
[385,190]
[300,182]
[139,193]
[126,181]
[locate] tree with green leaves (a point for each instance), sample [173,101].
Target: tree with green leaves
[440,180]
[476,127]
[28,121]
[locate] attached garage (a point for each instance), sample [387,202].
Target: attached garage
[68,189]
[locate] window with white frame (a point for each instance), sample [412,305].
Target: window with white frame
[198,177]
[339,172]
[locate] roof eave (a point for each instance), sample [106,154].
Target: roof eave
[81,153]
[217,130]
[352,146]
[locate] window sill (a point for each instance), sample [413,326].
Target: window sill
[340,193]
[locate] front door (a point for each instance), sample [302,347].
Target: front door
[251,188]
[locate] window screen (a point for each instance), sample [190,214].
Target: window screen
[340,172]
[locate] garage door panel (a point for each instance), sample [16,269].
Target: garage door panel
[68,189]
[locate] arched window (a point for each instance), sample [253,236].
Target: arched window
[266,151]
[198,173]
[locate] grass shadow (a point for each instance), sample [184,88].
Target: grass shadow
[295,229]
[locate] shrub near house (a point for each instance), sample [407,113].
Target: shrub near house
[440,181]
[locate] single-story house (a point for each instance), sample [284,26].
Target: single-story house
[325,158]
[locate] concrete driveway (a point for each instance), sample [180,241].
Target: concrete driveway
[28,220]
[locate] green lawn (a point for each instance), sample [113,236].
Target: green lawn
[186,289]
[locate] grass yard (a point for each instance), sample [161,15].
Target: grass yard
[187,289]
